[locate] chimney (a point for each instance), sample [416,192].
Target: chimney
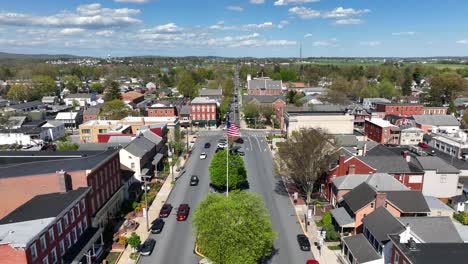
[406,235]
[352,169]
[411,244]
[380,199]
[64,180]
[341,165]
[364,152]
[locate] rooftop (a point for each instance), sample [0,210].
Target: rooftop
[434,229]
[361,249]
[380,181]
[381,123]
[264,83]
[264,99]
[436,120]
[210,92]
[203,100]
[436,163]
[139,146]
[79,95]
[381,223]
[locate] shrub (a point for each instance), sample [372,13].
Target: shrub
[326,219]
[332,234]
[462,217]
[122,240]
[134,205]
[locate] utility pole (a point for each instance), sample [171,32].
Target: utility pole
[227,166]
[146,201]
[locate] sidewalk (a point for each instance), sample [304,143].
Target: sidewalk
[153,213]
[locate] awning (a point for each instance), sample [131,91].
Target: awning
[342,218]
[157,159]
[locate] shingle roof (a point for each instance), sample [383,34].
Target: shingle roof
[436,120]
[44,206]
[79,95]
[264,84]
[346,140]
[359,197]
[341,216]
[380,181]
[438,229]
[184,110]
[92,111]
[361,249]
[26,105]
[210,92]
[381,223]
[203,100]
[389,164]
[411,201]
[436,204]
[148,134]
[437,164]
[139,146]
[132,95]
[263,99]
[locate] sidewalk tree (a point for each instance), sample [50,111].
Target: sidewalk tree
[304,157]
[134,240]
[237,171]
[235,229]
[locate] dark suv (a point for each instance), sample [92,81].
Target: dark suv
[165,210]
[194,180]
[157,226]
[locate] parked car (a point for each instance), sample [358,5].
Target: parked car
[222,145]
[239,151]
[207,145]
[423,145]
[312,261]
[203,155]
[194,180]
[183,212]
[157,226]
[165,211]
[304,243]
[147,247]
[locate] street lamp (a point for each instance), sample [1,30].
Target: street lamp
[145,188]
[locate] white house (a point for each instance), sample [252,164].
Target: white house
[81,98]
[70,119]
[151,86]
[440,178]
[53,130]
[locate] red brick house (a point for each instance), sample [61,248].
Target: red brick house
[49,228]
[132,97]
[382,131]
[436,110]
[59,172]
[203,111]
[264,86]
[162,110]
[91,113]
[400,109]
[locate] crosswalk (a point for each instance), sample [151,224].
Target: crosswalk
[244,133]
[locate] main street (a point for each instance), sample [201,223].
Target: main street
[176,242]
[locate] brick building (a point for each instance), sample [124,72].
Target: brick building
[162,110]
[91,113]
[132,97]
[400,109]
[264,86]
[436,110]
[35,173]
[382,131]
[276,102]
[49,228]
[203,112]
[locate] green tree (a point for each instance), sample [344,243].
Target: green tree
[44,84]
[370,92]
[235,229]
[237,172]
[97,88]
[112,91]
[334,97]
[452,109]
[134,241]
[407,83]
[178,143]
[304,157]
[116,110]
[67,146]
[445,88]
[251,112]
[224,106]
[186,85]
[72,83]
[465,119]
[20,92]
[228,88]
[387,89]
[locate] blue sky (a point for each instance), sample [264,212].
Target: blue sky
[259,28]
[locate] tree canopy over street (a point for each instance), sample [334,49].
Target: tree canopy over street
[234,229]
[237,171]
[303,157]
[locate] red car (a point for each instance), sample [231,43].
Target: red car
[312,261]
[165,211]
[423,145]
[183,212]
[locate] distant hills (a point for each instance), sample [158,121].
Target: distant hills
[14,56]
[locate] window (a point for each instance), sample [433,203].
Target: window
[80,228]
[75,235]
[33,251]
[78,211]
[132,165]
[51,234]
[59,227]
[443,178]
[54,255]
[371,205]
[62,248]
[65,220]
[396,259]
[69,243]
[102,131]
[85,223]
[85,131]
[45,260]
[72,215]
[43,243]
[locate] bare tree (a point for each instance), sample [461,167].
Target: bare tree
[304,157]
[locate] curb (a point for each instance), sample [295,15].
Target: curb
[198,253]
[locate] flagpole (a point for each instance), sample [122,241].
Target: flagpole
[227,165]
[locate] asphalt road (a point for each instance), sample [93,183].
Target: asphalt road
[176,242]
[259,164]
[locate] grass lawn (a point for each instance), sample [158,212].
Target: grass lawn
[112,257]
[337,247]
[134,256]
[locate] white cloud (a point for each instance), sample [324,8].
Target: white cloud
[283,23]
[71,31]
[167,28]
[105,33]
[304,12]
[132,1]
[293,2]
[246,27]
[341,12]
[463,42]
[406,33]
[86,16]
[257,2]
[350,21]
[326,43]
[371,43]
[235,8]
[308,35]
[264,25]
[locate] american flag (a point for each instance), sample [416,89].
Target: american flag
[232,130]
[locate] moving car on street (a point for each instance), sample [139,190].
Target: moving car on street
[183,212]
[194,180]
[157,226]
[304,243]
[147,247]
[165,211]
[207,145]
[203,155]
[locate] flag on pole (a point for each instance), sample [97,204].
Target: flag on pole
[232,130]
